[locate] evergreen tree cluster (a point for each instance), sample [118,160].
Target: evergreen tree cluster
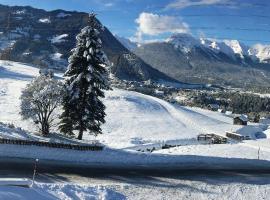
[235,101]
[81,96]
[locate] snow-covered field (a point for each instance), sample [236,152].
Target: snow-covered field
[203,189]
[136,119]
[59,191]
[133,119]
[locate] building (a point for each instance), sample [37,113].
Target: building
[240,120]
[213,107]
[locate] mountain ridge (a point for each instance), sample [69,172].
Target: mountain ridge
[188,59]
[45,38]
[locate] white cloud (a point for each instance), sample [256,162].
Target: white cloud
[179,4]
[153,24]
[109,4]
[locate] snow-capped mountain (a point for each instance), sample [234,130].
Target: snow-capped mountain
[127,42]
[185,42]
[237,47]
[202,60]
[218,46]
[262,52]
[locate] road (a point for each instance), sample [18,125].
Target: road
[51,173]
[152,184]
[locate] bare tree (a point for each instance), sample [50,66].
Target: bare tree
[39,100]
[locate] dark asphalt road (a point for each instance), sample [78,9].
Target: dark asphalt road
[53,174]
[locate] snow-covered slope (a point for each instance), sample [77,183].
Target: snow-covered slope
[13,78]
[132,118]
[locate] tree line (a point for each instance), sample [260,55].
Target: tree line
[235,101]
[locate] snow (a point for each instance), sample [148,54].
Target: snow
[20,12]
[184,41]
[13,78]
[245,150]
[63,15]
[57,56]
[237,47]
[136,120]
[241,156]
[133,120]
[45,20]
[44,191]
[218,46]
[262,52]
[201,188]
[23,182]
[131,116]
[59,38]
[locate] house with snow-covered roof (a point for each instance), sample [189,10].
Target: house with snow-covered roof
[240,120]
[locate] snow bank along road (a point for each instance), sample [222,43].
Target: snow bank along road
[119,185]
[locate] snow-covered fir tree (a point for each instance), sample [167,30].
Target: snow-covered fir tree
[86,80]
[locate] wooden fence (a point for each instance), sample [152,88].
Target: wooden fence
[213,138]
[52,145]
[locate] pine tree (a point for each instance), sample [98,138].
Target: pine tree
[66,121]
[86,79]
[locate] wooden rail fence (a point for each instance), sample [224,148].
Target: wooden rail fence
[52,145]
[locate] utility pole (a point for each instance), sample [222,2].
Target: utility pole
[35,171]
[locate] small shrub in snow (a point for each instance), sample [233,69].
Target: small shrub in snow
[39,100]
[10,125]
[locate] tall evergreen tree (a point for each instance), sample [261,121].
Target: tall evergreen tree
[86,80]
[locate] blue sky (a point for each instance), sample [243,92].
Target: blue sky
[147,20]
